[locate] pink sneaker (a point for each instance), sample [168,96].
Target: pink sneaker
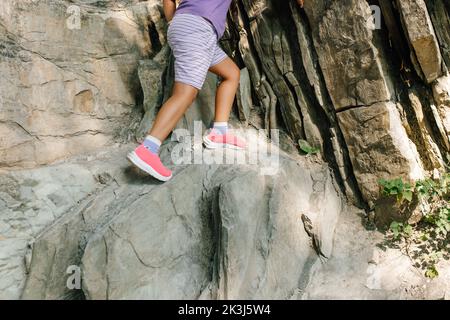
[214,139]
[149,162]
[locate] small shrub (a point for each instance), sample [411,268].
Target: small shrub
[307,148]
[428,241]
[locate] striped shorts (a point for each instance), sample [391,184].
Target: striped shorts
[195,46]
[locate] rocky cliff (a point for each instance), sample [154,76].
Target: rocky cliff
[365,81]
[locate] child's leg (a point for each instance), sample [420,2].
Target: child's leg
[230,74]
[219,136]
[183,96]
[146,156]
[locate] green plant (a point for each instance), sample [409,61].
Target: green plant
[431,272]
[307,148]
[428,241]
[400,229]
[441,220]
[403,190]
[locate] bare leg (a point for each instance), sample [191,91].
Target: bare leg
[173,109]
[230,74]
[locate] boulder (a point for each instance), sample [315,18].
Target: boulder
[379,147]
[31,200]
[422,37]
[352,67]
[69,75]
[81,77]
[244,96]
[441,93]
[214,231]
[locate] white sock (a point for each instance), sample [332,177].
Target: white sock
[222,127]
[152,144]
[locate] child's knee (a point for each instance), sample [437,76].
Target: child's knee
[193,96]
[185,92]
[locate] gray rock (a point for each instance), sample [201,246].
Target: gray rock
[441,92]
[72,65]
[321,74]
[29,202]
[360,270]
[345,44]
[244,96]
[213,231]
[422,37]
[379,147]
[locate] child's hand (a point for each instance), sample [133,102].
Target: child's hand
[300,3]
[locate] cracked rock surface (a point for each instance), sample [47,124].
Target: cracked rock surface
[217,231]
[82,79]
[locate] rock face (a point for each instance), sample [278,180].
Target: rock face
[328,66]
[72,65]
[422,37]
[350,62]
[81,76]
[382,152]
[239,239]
[213,231]
[304,70]
[441,92]
[375,274]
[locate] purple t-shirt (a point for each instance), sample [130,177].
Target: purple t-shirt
[213,10]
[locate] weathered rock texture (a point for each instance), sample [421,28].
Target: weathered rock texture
[84,74]
[213,231]
[318,73]
[422,38]
[306,69]
[69,75]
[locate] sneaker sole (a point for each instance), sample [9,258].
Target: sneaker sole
[134,159]
[214,145]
